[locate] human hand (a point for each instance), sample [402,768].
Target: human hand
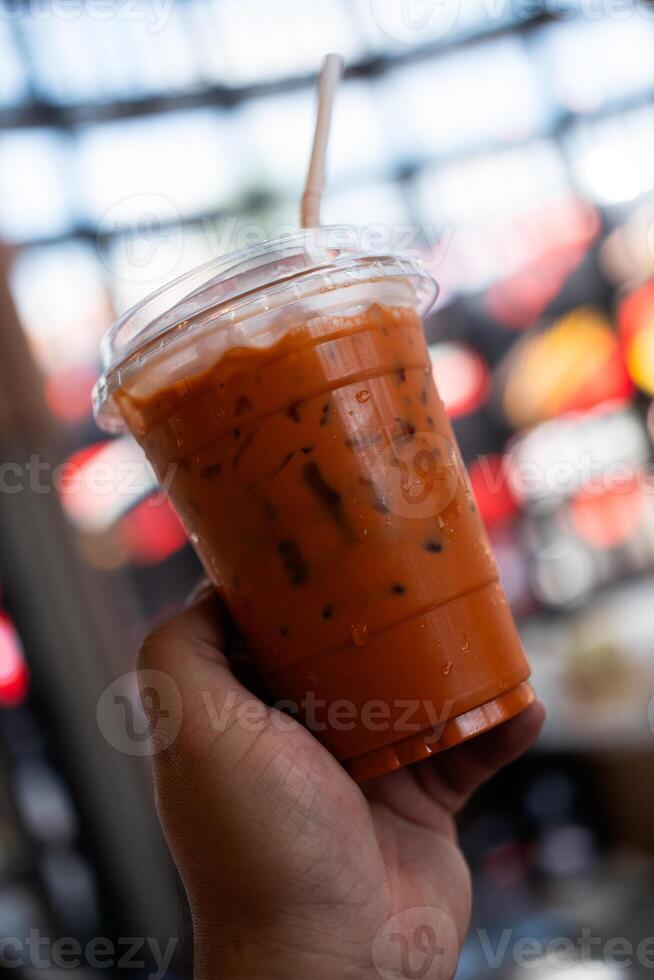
[291,869]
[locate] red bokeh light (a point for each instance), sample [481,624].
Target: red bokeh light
[554,242]
[152,532]
[462,377]
[636,313]
[605,517]
[636,325]
[519,301]
[489,476]
[14,676]
[76,462]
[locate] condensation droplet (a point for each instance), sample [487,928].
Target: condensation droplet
[446,527]
[194,538]
[359,634]
[363,395]
[447,668]
[465,642]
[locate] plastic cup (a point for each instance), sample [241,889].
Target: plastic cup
[285,397]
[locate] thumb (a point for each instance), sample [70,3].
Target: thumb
[189,691]
[235,780]
[222,749]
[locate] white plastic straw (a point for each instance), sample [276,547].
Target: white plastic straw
[330,76]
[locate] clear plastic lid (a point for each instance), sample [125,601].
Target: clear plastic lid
[224,295]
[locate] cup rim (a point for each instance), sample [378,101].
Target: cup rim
[323,258]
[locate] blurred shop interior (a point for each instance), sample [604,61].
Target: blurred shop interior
[138,144]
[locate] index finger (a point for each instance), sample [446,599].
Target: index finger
[451,777]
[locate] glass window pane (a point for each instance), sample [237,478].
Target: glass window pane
[380,206]
[111,68]
[260,41]
[493,186]
[613,159]
[64,63]
[13,81]
[34,165]
[590,63]
[179,64]
[494,213]
[94,57]
[279,130]
[359,141]
[175,163]
[202,25]
[486,93]
[398,25]
[62,303]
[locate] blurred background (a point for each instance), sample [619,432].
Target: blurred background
[512,146]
